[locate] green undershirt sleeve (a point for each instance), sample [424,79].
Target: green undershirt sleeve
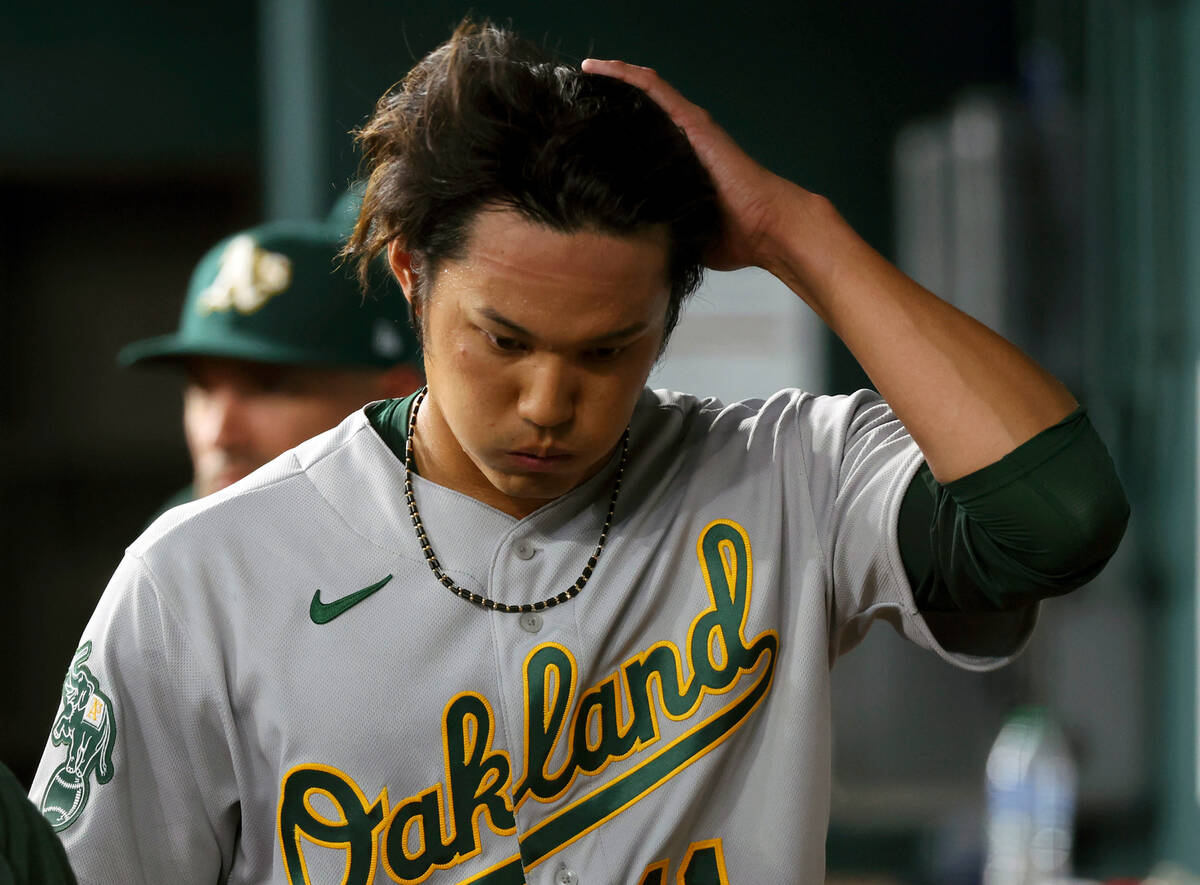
[1039,522]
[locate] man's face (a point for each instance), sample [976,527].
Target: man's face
[238,415]
[537,345]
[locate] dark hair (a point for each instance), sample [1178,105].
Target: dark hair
[489,119]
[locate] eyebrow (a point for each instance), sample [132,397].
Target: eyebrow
[501,320]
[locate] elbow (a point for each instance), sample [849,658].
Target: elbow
[1099,527]
[1088,538]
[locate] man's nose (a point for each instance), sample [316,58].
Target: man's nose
[225,418]
[548,394]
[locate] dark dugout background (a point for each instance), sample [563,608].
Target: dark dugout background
[134,136]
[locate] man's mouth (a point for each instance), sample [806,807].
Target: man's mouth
[549,452]
[540,459]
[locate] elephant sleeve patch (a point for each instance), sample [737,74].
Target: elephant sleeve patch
[87,727]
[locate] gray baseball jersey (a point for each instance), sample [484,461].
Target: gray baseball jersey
[274,687]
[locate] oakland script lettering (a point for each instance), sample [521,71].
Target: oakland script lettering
[589,730]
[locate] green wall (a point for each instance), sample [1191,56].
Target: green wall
[113,86]
[1143,98]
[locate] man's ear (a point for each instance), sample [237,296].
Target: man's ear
[401,262]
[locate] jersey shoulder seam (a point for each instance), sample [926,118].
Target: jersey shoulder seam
[297,471]
[140,547]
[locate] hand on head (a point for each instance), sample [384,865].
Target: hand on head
[751,196]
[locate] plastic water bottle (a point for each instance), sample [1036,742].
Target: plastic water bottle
[1031,788]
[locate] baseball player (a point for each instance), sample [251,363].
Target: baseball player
[278,344]
[536,623]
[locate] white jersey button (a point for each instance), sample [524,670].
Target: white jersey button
[566,876]
[531,622]
[524,549]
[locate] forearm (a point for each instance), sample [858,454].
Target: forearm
[967,396]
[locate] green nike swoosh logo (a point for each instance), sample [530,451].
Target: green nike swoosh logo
[323,613]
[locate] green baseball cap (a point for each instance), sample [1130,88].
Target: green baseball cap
[278,294]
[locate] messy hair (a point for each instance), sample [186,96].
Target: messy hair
[489,120]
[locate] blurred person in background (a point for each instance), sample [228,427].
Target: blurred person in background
[277,344]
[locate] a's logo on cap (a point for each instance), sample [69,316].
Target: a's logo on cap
[247,278]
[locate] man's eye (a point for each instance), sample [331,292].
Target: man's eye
[508,345]
[283,384]
[604,353]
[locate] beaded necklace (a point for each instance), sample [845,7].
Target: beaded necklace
[483,601]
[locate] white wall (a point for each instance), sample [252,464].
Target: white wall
[743,335]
